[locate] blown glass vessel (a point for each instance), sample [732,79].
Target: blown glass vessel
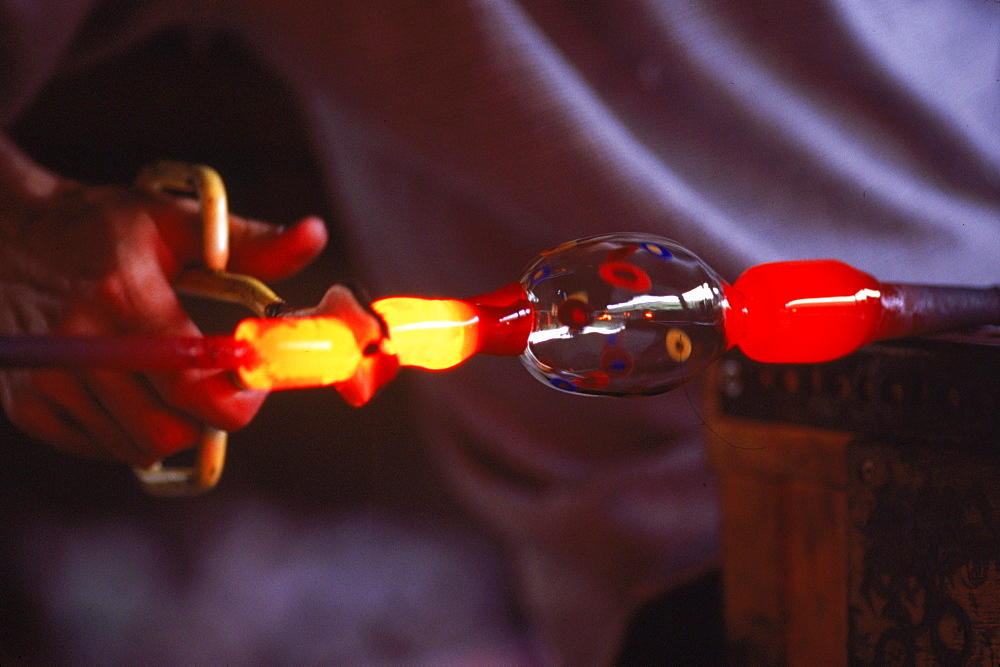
[622,314]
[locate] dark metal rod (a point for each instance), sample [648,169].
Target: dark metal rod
[909,310]
[148,353]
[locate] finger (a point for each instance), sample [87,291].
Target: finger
[78,406]
[155,429]
[261,249]
[270,252]
[134,298]
[161,413]
[210,397]
[41,404]
[178,224]
[47,422]
[66,414]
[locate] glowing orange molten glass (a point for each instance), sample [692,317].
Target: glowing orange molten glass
[297,352]
[434,334]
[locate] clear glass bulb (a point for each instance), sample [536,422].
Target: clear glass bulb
[622,315]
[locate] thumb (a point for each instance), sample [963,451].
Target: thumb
[270,252]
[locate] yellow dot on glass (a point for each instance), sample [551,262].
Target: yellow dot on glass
[678,345]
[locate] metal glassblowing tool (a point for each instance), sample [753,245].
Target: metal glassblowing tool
[616,315]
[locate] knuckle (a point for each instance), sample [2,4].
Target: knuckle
[112,292]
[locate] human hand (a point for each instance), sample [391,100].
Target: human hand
[78,260]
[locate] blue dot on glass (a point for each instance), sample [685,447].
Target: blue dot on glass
[560,383]
[656,249]
[541,274]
